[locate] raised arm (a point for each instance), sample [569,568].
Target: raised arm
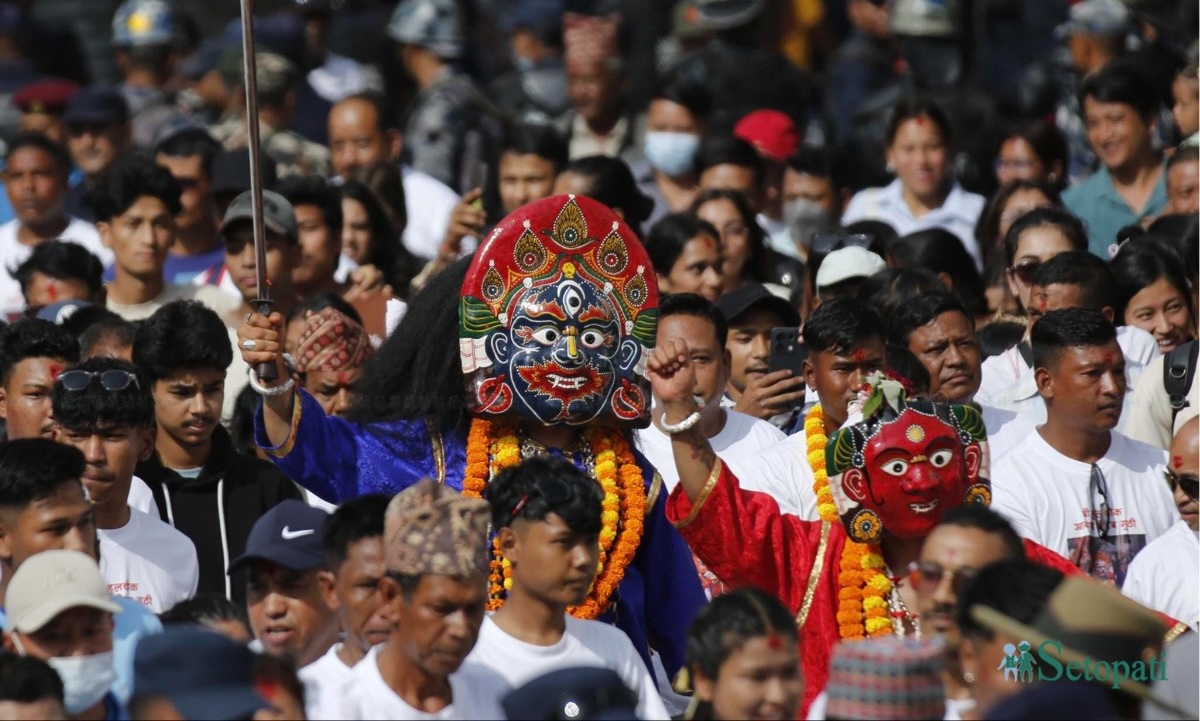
[264,336]
[674,382]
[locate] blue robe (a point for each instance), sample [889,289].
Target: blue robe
[339,460]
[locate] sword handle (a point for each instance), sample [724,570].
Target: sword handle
[266,371]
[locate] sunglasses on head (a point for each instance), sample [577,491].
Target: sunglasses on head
[828,242]
[926,576]
[114,380]
[1189,482]
[554,491]
[1025,270]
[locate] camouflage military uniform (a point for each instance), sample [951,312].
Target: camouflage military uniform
[443,133]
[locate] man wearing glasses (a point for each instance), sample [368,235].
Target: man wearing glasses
[105,408]
[1166,574]
[1077,486]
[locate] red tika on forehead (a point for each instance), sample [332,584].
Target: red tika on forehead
[1177,461]
[775,641]
[859,355]
[55,371]
[52,291]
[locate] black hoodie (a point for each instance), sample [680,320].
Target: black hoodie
[218,508]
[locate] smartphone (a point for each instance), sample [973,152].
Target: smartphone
[787,350]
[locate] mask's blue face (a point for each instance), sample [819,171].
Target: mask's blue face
[563,343]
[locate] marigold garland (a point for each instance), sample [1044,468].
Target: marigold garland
[863,585]
[491,449]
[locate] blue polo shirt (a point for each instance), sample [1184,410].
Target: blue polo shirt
[1103,211]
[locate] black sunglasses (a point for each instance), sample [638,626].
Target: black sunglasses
[554,491]
[926,575]
[1026,271]
[1189,482]
[114,380]
[825,243]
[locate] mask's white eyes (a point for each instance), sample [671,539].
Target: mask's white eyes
[546,336]
[940,459]
[591,338]
[895,468]
[572,301]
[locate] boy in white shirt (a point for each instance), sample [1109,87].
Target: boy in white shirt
[353,541]
[547,519]
[1166,575]
[437,559]
[104,408]
[1076,486]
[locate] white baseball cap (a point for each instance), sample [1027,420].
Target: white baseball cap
[846,264]
[51,582]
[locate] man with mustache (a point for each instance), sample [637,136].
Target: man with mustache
[201,485]
[97,121]
[1076,486]
[436,590]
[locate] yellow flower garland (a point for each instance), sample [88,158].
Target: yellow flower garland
[863,587]
[491,450]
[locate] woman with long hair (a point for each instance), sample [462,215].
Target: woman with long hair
[1153,293]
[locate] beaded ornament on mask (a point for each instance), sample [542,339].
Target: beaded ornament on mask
[557,320]
[894,469]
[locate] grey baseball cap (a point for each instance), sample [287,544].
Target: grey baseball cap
[278,213]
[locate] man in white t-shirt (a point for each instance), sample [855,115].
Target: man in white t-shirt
[104,408]
[35,174]
[353,541]
[546,513]
[1166,574]
[699,324]
[437,557]
[1075,279]
[288,614]
[940,333]
[135,202]
[1076,486]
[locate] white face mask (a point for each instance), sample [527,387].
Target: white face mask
[85,679]
[671,153]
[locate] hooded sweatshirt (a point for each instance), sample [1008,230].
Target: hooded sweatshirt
[217,508]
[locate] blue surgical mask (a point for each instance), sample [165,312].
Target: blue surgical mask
[671,153]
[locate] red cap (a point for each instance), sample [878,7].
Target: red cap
[45,96]
[772,134]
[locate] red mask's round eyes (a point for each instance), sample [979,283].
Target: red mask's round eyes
[940,459]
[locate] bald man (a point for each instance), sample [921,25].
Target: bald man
[362,132]
[1166,574]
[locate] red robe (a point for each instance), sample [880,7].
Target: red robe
[746,541]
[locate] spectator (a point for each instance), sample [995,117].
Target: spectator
[675,124]
[702,328]
[108,335]
[318,222]
[201,486]
[189,155]
[436,554]
[363,130]
[745,629]
[1153,294]
[1035,152]
[214,612]
[41,105]
[354,553]
[1186,108]
[330,354]
[752,388]
[812,199]
[888,289]
[531,157]
[935,250]
[866,62]
[535,89]
[686,253]
[546,516]
[924,194]
[1035,238]
[144,37]
[1007,204]
[599,122]
[775,137]
[843,271]
[35,175]
[195,673]
[1061,485]
[55,272]
[59,612]
[97,122]
[105,408]
[1162,576]
[29,688]
[1183,181]
[33,354]
[289,616]
[371,234]
[743,241]
[859,672]
[135,203]
[1121,108]
[730,163]
[283,251]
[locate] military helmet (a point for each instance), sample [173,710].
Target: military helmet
[432,24]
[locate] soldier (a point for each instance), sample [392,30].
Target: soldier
[291,153]
[451,124]
[143,33]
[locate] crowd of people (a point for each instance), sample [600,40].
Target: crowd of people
[707,359]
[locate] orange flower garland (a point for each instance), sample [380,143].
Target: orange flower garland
[490,450]
[863,587]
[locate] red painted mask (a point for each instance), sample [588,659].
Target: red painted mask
[900,470]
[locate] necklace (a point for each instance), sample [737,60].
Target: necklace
[899,612]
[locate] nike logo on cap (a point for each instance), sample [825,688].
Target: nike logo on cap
[289,534]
